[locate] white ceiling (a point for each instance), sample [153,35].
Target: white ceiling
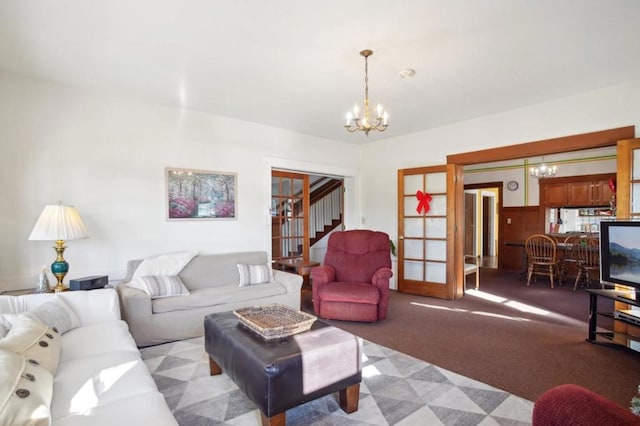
[295,64]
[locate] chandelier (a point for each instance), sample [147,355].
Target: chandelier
[542,171]
[364,120]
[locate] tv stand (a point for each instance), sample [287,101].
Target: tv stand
[630,338]
[629,298]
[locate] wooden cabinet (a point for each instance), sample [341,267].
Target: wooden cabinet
[594,193]
[554,194]
[576,191]
[580,194]
[604,194]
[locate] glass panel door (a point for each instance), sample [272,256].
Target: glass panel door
[635,181]
[422,230]
[627,191]
[289,218]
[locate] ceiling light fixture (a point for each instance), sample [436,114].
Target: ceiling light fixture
[542,171]
[408,73]
[366,122]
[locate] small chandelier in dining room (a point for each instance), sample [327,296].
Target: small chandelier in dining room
[362,118]
[542,171]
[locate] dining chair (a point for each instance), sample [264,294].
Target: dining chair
[588,260]
[570,260]
[472,266]
[541,254]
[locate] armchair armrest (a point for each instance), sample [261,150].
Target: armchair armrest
[381,281]
[322,275]
[381,278]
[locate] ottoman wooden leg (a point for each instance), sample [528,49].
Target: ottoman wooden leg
[214,368]
[349,398]
[277,420]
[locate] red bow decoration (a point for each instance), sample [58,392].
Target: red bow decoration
[612,185]
[424,199]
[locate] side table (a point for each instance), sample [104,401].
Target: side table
[298,266]
[22,292]
[18,292]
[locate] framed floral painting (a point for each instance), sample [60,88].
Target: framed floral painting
[200,195]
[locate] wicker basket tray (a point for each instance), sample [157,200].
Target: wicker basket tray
[274,321]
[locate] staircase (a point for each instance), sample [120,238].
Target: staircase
[325,215]
[325,211]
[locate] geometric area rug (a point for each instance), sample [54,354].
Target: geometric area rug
[396,389]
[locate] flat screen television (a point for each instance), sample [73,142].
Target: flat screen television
[620,252]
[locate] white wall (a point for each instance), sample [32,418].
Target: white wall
[612,107]
[107,156]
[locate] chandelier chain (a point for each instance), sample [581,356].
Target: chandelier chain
[366,85]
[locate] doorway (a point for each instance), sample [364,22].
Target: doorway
[490,220]
[544,147]
[483,203]
[470,202]
[304,209]
[289,216]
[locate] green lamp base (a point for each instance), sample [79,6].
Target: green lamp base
[60,267]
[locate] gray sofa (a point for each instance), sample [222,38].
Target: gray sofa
[213,284]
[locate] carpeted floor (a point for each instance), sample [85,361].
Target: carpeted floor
[396,390]
[522,339]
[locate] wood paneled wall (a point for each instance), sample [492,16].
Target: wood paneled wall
[517,224]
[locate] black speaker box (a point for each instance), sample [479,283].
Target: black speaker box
[89,283]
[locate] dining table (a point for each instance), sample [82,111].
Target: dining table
[561,248]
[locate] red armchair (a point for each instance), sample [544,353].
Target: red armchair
[574,405]
[353,282]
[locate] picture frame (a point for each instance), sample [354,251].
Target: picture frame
[200,194]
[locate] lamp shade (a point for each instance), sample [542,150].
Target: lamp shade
[58,222]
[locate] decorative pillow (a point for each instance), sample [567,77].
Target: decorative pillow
[26,391]
[158,286]
[254,274]
[163,264]
[3,330]
[56,313]
[35,341]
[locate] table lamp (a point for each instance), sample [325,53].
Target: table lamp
[59,223]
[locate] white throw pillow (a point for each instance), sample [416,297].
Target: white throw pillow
[57,314]
[163,264]
[254,274]
[26,391]
[38,343]
[158,286]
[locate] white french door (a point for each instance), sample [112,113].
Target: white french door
[425,231]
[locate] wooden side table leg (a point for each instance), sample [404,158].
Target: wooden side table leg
[214,368]
[277,420]
[349,398]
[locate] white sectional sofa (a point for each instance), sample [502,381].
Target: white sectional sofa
[100,378]
[213,284]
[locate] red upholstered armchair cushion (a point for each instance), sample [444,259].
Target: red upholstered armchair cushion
[356,259]
[574,405]
[356,255]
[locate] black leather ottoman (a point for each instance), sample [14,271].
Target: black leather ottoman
[270,373]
